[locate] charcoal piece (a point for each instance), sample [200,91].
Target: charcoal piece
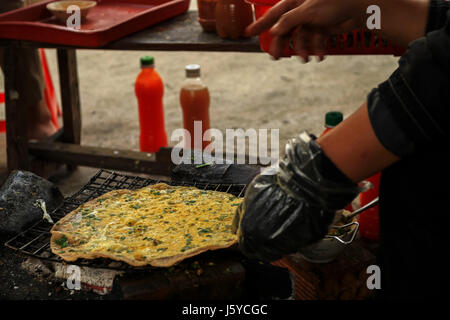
[18,196]
[215,173]
[210,276]
[266,281]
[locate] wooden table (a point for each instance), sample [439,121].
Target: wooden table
[182,33]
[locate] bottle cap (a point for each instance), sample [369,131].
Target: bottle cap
[333,118]
[192,71]
[147,61]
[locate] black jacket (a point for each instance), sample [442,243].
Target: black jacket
[410,115]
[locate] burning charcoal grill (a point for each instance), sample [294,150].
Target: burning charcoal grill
[35,241]
[225,274]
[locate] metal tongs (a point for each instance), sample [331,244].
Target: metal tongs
[353,214]
[349,217]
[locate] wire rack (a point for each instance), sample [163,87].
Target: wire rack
[35,241]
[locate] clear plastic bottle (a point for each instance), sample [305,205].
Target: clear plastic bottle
[194,100]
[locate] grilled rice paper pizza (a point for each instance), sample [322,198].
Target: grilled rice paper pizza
[159,225]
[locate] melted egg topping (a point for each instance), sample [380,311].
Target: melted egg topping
[154,222]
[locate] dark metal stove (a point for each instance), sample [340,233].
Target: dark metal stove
[219,274]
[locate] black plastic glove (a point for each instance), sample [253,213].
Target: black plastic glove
[282,213]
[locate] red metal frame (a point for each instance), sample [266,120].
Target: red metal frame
[49,92]
[339,45]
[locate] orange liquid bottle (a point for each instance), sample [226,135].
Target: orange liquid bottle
[232,17]
[332,119]
[149,90]
[194,100]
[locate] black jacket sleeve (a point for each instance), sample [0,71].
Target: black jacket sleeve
[409,112]
[437,14]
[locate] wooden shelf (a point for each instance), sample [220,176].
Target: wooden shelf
[181,33]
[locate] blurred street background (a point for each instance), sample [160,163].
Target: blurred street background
[247,91]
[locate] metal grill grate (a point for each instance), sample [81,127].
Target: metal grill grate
[35,241]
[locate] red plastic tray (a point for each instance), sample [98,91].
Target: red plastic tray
[108,21]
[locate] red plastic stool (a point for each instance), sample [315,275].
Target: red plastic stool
[49,95]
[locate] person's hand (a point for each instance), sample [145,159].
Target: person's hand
[284,212]
[308,23]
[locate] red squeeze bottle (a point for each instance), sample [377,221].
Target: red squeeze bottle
[369,221]
[332,119]
[149,90]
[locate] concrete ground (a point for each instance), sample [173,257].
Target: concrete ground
[247,91]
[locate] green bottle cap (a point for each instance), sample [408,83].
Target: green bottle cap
[333,118]
[147,61]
